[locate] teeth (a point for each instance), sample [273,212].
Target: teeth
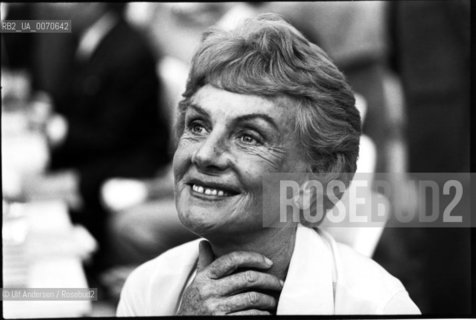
[209,191]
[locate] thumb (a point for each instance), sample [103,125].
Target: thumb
[205,255]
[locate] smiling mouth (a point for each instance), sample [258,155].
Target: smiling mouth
[209,191]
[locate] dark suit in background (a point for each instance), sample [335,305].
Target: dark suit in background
[115,129]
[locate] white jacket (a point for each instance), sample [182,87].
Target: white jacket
[324,277]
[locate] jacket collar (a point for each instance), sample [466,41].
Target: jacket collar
[308,288]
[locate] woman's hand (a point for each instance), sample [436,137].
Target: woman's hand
[216,291]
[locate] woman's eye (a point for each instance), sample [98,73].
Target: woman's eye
[197,128]
[247,139]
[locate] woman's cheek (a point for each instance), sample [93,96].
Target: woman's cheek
[182,157]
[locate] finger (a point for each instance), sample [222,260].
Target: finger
[228,263]
[249,300]
[205,255]
[248,279]
[252,312]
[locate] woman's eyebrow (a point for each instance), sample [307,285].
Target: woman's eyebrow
[242,118]
[198,109]
[261,116]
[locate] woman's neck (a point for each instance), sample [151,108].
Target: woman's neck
[275,244]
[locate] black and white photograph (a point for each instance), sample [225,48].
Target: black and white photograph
[237,158]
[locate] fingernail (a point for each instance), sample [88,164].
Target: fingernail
[282,283]
[268,261]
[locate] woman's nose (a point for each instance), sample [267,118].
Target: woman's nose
[212,154]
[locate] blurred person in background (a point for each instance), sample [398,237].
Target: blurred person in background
[431,54]
[105,119]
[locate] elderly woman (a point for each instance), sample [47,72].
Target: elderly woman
[260,99]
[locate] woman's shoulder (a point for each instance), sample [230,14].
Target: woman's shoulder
[361,282]
[160,278]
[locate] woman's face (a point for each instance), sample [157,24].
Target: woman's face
[229,144]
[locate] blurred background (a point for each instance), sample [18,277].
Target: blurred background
[87,136]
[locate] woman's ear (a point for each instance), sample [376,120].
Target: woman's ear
[309,169]
[303,199]
[310,201]
[308,193]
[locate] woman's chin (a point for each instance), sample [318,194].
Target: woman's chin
[199,222]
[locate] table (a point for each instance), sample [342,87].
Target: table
[42,249]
